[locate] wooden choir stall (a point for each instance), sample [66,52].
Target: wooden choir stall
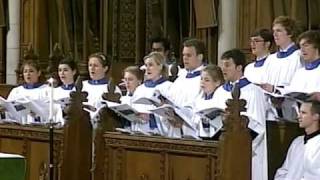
[84,153]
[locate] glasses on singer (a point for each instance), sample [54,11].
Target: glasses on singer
[256,41]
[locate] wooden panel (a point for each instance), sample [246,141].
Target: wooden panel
[39,159]
[193,168]
[205,13]
[143,165]
[31,142]
[9,145]
[158,158]
[5,89]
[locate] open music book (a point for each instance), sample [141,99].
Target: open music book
[211,121]
[296,96]
[180,113]
[156,99]
[210,113]
[15,110]
[127,112]
[20,108]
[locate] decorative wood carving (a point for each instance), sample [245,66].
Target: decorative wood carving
[155,157]
[55,57]
[123,43]
[77,150]
[26,138]
[108,121]
[235,134]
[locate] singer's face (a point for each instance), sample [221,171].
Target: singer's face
[30,74]
[306,117]
[207,83]
[131,81]
[308,51]
[191,59]
[96,69]
[66,74]
[153,70]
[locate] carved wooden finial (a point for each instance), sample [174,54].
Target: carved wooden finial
[54,58]
[30,54]
[235,135]
[56,53]
[111,95]
[78,84]
[111,86]
[77,138]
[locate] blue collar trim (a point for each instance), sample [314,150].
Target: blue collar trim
[98,82]
[150,83]
[208,96]
[312,65]
[287,53]
[67,86]
[32,86]
[193,74]
[242,83]
[260,62]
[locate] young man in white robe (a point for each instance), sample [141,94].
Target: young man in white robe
[186,87]
[260,43]
[303,157]
[233,62]
[281,66]
[306,79]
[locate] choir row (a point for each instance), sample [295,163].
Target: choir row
[263,83]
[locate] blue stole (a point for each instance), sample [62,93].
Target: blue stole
[287,53]
[312,65]
[260,63]
[98,82]
[152,121]
[67,86]
[151,84]
[208,96]
[32,86]
[193,74]
[242,83]
[130,94]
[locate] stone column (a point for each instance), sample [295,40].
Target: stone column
[228,26]
[13,41]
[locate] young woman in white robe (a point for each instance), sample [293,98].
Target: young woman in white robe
[132,78]
[281,66]
[233,62]
[155,81]
[303,158]
[98,67]
[32,89]
[67,70]
[211,79]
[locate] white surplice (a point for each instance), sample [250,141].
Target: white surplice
[302,161]
[256,110]
[279,72]
[148,92]
[306,81]
[183,92]
[254,71]
[34,93]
